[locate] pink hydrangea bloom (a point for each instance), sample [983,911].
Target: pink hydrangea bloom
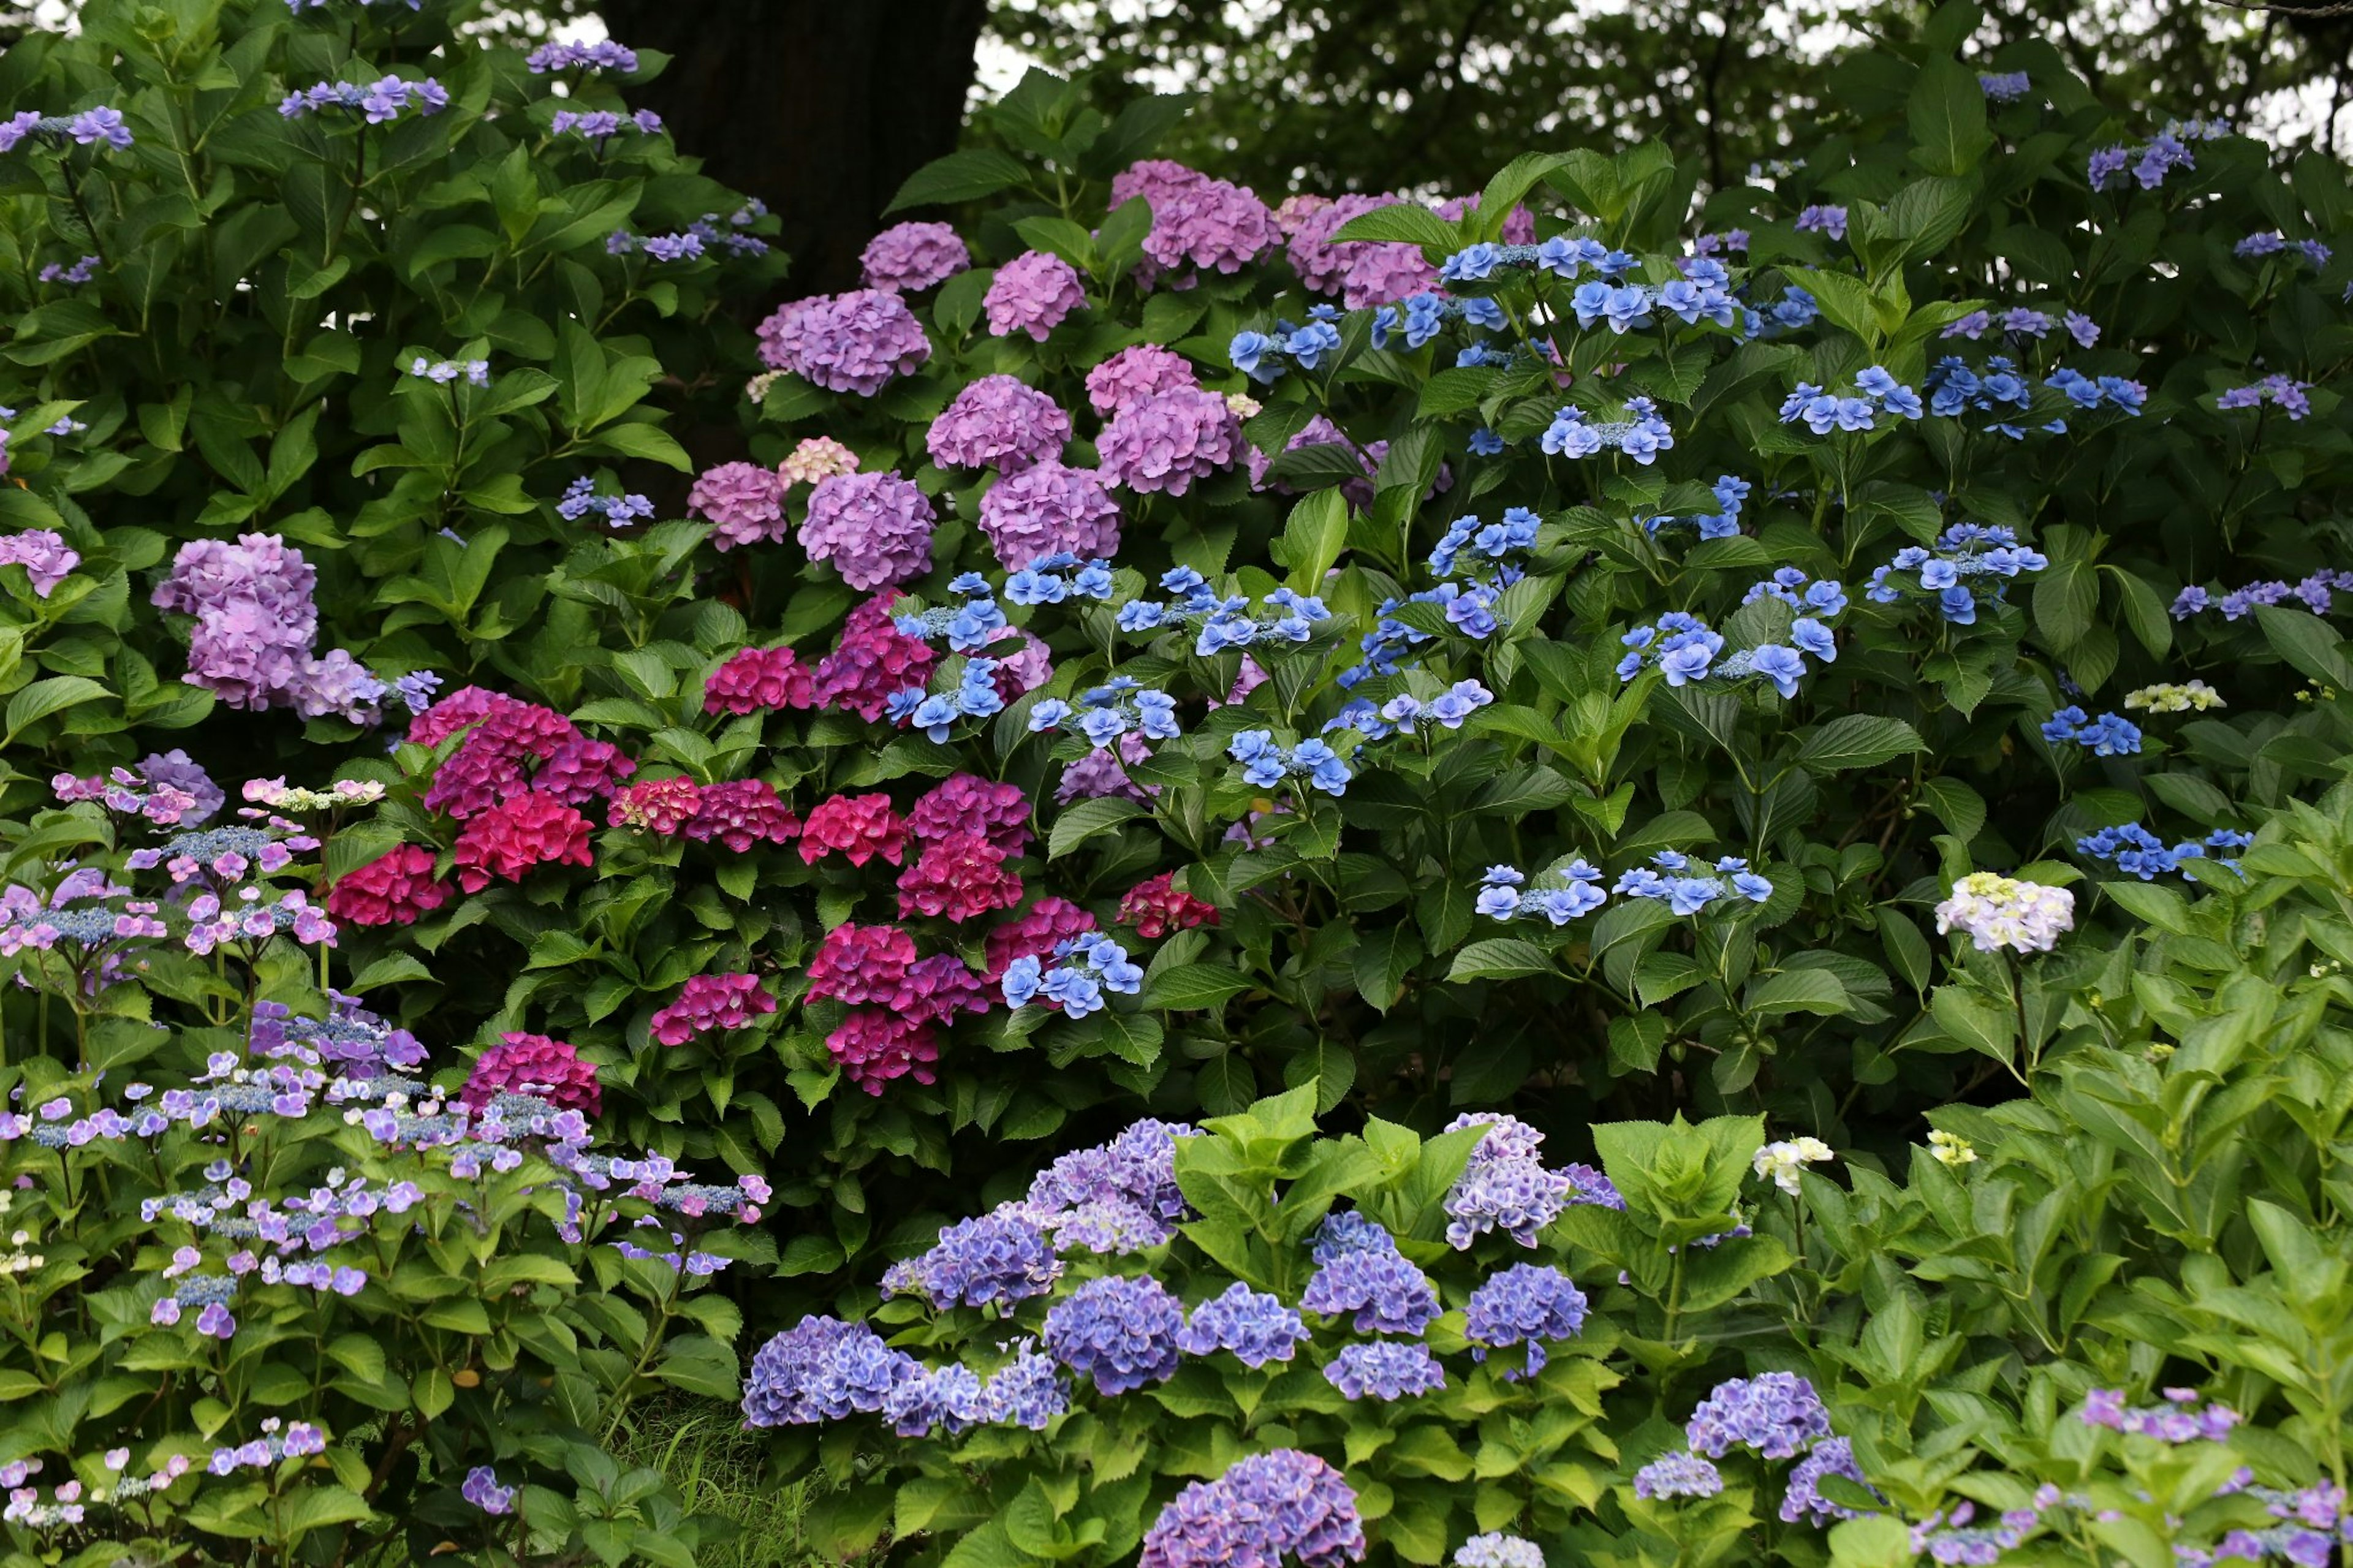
[1032,293]
[740,814]
[875,1045]
[42,553]
[744,501]
[1034,932]
[517,834]
[858,963]
[757,678]
[912,257]
[1197,223]
[998,423]
[874,529]
[959,876]
[1134,373]
[393,888]
[656,805]
[1167,441]
[1365,272]
[1023,662]
[938,988]
[871,661]
[710,1002]
[816,458]
[1155,908]
[856,341]
[550,1069]
[859,826]
[967,803]
[1048,509]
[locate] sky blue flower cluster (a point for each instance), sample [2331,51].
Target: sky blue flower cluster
[1793,311]
[1447,711]
[1703,294]
[1686,649]
[1264,357]
[1224,622]
[1679,643]
[2138,851]
[1084,968]
[2109,735]
[1266,764]
[1678,1473]
[1495,542]
[1642,435]
[2316,593]
[2273,242]
[1964,552]
[1418,318]
[1120,706]
[581,500]
[967,627]
[1051,579]
[1876,394]
[973,696]
[1507,1187]
[1505,893]
[1687,890]
[2153,160]
[1565,256]
[1731,494]
[2021,321]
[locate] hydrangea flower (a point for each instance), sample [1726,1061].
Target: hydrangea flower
[1034,293]
[1256,1327]
[743,500]
[1134,373]
[1087,967]
[1783,1161]
[1997,912]
[1803,1499]
[910,257]
[1529,1304]
[998,1257]
[1678,1474]
[517,834]
[708,1003]
[1047,510]
[2137,851]
[1642,435]
[1117,1333]
[1385,1293]
[1264,1508]
[873,1046]
[1778,1414]
[1198,222]
[875,528]
[1498,1550]
[996,422]
[1385,1371]
[859,343]
[821,1370]
[552,1070]
[1169,440]
[43,554]
[395,889]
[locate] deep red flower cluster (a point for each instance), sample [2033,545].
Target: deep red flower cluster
[874,1045]
[742,813]
[1155,908]
[535,1064]
[759,678]
[391,890]
[960,876]
[859,826]
[518,833]
[860,963]
[511,746]
[656,805]
[871,661]
[967,803]
[1034,932]
[711,1002]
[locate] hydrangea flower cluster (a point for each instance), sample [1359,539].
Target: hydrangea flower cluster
[1526,1304]
[1198,222]
[710,1003]
[875,528]
[1084,968]
[598,127]
[1701,294]
[2272,242]
[1677,1473]
[1105,713]
[601,55]
[2288,395]
[255,622]
[1560,894]
[1048,509]
[1385,1371]
[2137,851]
[378,102]
[1145,369]
[996,1257]
[1120,1333]
[2316,593]
[1264,1508]
[1876,395]
[2020,322]
[47,558]
[85,129]
[1943,570]
[910,257]
[581,500]
[2003,87]
[1999,912]
[1169,440]
[2153,160]
[996,422]
[1265,357]
[2168,696]
[1783,1161]
[856,342]
[1034,293]
[1776,1413]
[1256,1327]
[1642,435]
[744,501]
[1266,763]
[2109,735]
[756,680]
[1362,272]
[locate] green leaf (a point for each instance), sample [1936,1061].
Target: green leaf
[1381,960]
[43,698]
[1947,114]
[1083,820]
[1189,987]
[1500,958]
[1796,991]
[1402,223]
[1857,740]
[1314,536]
[2309,643]
[959,177]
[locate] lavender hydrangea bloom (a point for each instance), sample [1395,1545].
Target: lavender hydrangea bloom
[1027,1391]
[1831,1457]
[1499,1551]
[1776,1413]
[1198,222]
[1119,1198]
[998,423]
[875,528]
[42,553]
[1257,1327]
[1387,1294]
[997,1257]
[176,769]
[1505,1185]
[1349,1231]
[1264,1508]
[912,257]
[1385,1371]
[1122,1333]
[948,1398]
[1048,509]
[255,622]
[821,1369]
[858,342]
[1032,293]
[1679,1474]
[1528,1304]
[1167,441]
[1134,373]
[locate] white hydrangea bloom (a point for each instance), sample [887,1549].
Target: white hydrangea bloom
[1999,912]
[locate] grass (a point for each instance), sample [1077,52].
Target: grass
[700,1446]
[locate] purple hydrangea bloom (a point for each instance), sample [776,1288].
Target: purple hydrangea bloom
[1198,222]
[42,553]
[1349,1231]
[949,1397]
[875,528]
[1167,441]
[1387,1294]
[1264,1508]
[1385,1371]
[1831,1457]
[482,1490]
[1032,293]
[255,618]
[856,341]
[1119,1197]
[912,257]
[997,1257]
[1048,509]
[1776,1413]
[1134,373]
[1496,1550]
[1257,1327]
[175,768]
[1506,1186]
[822,1368]
[998,423]
[1528,1304]
[1679,1474]
[1120,1333]
[1027,1391]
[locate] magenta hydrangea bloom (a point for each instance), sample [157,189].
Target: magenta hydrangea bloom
[43,553]
[1049,509]
[998,423]
[874,528]
[912,257]
[1167,441]
[710,1002]
[1032,293]
[535,1064]
[874,1045]
[856,342]
[1198,224]
[1135,374]
[744,501]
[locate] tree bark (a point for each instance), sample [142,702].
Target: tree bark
[820,110]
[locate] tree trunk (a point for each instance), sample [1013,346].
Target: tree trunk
[820,110]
